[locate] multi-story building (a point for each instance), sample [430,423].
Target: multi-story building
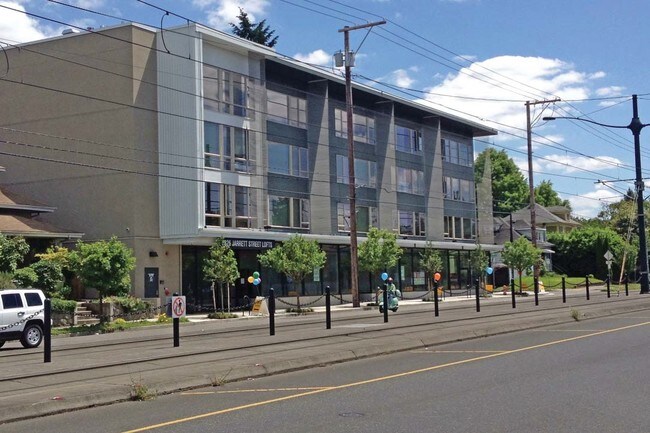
[171,139]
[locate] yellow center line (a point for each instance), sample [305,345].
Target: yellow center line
[378,379]
[241,391]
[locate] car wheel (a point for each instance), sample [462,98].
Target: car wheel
[2,343]
[32,336]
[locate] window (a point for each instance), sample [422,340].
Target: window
[290,110]
[12,300]
[33,299]
[363,126]
[457,153]
[289,212]
[226,147]
[409,180]
[459,228]
[412,223]
[365,172]
[458,189]
[227,206]
[408,140]
[224,91]
[289,160]
[366,217]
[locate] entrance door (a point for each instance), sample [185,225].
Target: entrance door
[150,282]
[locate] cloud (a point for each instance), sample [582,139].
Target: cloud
[611,91]
[401,78]
[89,4]
[220,13]
[17,27]
[587,205]
[317,57]
[569,164]
[503,83]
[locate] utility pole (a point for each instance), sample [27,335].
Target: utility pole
[349,62]
[531,186]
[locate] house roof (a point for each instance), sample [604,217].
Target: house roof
[16,225]
[10,200]
[543,216]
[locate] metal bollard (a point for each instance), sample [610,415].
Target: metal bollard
[47,331]
[177,339]
[478,301]
[587,286]
[328,309]
[512,293]
[536,287]
[627,289]
[271,311]
[609,295]
[435,298]
[563,290]
[385,296]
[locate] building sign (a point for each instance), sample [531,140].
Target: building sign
[249,244]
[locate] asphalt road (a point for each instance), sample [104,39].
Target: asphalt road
[588,376]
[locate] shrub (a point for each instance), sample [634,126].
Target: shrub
[6,281]
[49,275]
[129,304]
[221,315]
[63,305]
[25,277]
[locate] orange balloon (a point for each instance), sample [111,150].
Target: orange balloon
[436,276]
[251,279]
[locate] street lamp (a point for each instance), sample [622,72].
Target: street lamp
[635,126]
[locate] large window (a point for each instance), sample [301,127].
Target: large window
[408,140]
[363,129]
[457,153]
[412,223]
[290,110]
[226,147]
[366,217]
[458,189]
[224,91]
[459,228]
[365,172]
[409,180]
[289,212]
[289,160]
[227,206]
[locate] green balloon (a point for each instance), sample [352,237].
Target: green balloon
[256,274]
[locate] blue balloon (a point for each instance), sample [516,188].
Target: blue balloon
[384,276]
[489,270]
[256,281]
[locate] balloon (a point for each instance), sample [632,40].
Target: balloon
[256,281]
[436,276]
[489,270]
[256,274]
[250,279]
[384,276]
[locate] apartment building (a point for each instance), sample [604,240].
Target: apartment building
[171,139]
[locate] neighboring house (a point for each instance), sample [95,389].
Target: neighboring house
[168,144]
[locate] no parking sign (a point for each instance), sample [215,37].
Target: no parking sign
[178,307]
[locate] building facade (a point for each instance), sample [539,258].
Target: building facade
[202,135]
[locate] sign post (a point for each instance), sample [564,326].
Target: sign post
[608,259]
[178,311]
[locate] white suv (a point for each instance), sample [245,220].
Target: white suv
[21,316]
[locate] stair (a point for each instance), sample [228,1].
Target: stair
[83,316]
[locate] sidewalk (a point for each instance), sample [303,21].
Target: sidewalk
[102,369]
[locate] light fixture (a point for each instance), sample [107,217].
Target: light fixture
[152,253]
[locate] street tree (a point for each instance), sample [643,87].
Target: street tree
[431,262]
[296,258]
[105,266]
[521,255]
[479,260]
[220,266]
[256,32]
[546,196]
[379,252]
[12,251]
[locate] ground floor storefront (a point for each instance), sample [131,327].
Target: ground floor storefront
[408,275]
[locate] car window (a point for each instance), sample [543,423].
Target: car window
[33,299]
[12,300]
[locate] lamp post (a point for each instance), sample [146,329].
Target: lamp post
[635,126]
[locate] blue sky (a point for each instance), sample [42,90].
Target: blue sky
[481,59]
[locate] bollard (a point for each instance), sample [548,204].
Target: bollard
[435,298]
[478,301]
[587,286]
[271,311]
[563,290]
[536,287]
[609,295]
[385,296]
[47,331]
[176,321]
[328,309]
[627,289]
[512,293]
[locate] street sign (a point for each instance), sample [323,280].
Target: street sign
[178,307]
[608,256]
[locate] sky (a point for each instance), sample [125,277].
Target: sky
[477,59]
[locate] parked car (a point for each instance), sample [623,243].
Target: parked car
[21,316]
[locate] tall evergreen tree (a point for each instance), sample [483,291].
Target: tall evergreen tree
[257,32]
[509,187]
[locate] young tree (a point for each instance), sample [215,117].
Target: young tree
[431,262]
[12,252]
[296,258]
[220,266]
[479,261]
[105,266]
[49,276]
[520,255]
[259,33]
[379,252]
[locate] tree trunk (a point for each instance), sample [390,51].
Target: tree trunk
[221,295]
[228,287]
[214,300]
